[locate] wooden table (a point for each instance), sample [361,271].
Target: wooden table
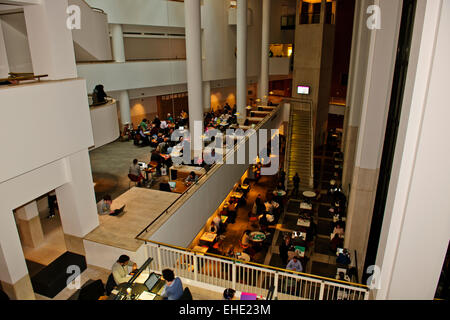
[237,195]
[200,249]
[183,171]
[208,237]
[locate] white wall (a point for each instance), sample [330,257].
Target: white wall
[92,41]
[54,119]
[154,48]
[105,124]
[4,64]
[278,8]
[416,224]
[133,75]
[142,12]
[279,65]
[16,42]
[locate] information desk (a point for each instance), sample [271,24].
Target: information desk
[139,290]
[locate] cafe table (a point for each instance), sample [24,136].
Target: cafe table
[279,193]
[305,206]
[303,223]
[257,236]
[208,237]
[309,194]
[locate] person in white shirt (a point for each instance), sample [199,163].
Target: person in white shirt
[120,269]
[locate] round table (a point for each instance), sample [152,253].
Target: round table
[309,194]
[260,236]
[279,193]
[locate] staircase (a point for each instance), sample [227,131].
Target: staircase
[300,150]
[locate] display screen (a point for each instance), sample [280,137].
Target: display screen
[302,89]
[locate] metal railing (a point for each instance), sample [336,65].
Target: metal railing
[217,273]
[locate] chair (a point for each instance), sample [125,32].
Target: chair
[134,179]
[92,291]
[110,284]
[186,294]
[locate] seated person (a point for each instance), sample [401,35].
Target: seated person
[342,276]
[295,265]
[143,136]
[263,222]
[135,170]
[191,178]
[246,238]
[338,230]
[217,221]
[104,205]
[120,269]
[164,185]
[212,228]
[228,294]
[144,125]
[343,258]
[164,146]
[173,290]
[169,118]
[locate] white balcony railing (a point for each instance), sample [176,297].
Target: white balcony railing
[217,273]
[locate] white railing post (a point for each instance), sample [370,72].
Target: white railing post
[275,284]
[195,266]
[158,251]
[233,276]
[366,295]
[322,290]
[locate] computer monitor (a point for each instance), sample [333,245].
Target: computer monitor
[151,281]
[139,271]
[303,90]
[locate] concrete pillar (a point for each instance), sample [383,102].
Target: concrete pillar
[355,97]
[50,41]
[4,64]
[323,11]
[118,46]
[76,201]
[416,223]
[29,225]
[380,62]
[264,78]
[192,15]
[125,113]
[241,73]
[207,96]
[14,276]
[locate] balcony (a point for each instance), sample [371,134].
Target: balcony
[133,74]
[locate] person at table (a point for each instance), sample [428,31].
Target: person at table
[342,276]
[157,122]
[282,178]
[295,265]
[144,125]
[263,222]
[217,221]
[164,185]
[259,205]
[169,118]
[120,269]
[296,181]
[246,239]
[135,170]
[338,230]
[228,294]
[284,248]
[143,136]
[191,178]
[343,258]
[163,147]
[173,290]
[104,205]
[280,186]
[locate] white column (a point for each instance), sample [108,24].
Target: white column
[207,96]
[125,113]
[76,199]
[118,46]
[241,73]
[13,269]
[4,65]
[50,41]
[264,79]
[416,224]
[194,66]
[29,225]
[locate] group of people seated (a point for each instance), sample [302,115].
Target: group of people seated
[158,131]
[216,119]
[120,271]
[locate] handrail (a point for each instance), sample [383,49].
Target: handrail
[234,260]
[206,176]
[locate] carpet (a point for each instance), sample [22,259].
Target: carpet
[323,269]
